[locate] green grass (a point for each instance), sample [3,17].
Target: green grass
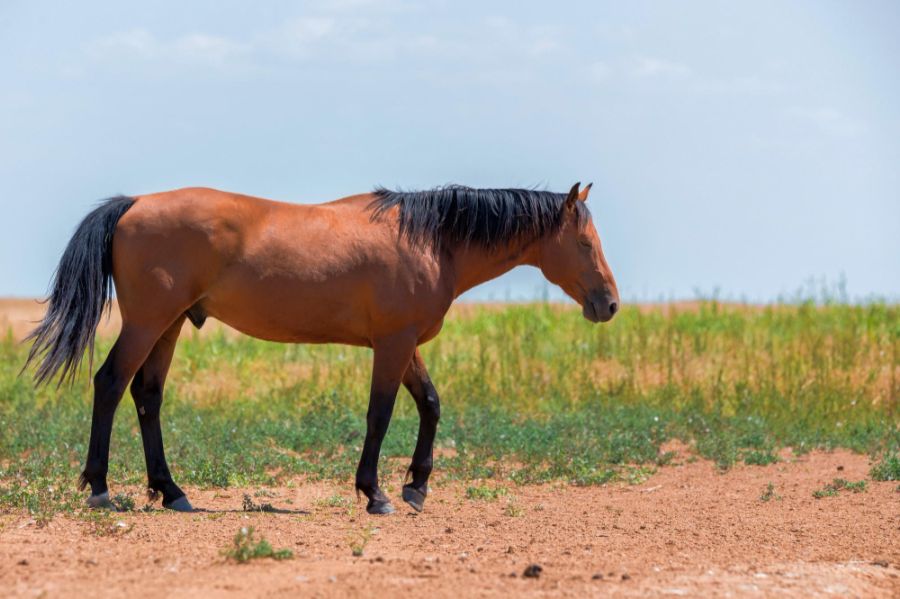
[530,393]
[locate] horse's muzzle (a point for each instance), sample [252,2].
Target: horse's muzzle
[600,307]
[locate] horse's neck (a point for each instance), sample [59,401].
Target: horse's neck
[474,265]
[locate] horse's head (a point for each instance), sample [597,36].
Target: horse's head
[573,259]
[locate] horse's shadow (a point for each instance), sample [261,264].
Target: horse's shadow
[273,510]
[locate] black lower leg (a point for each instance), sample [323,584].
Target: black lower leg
[429,407]
[423,457]
[377,420]
[108,389]
[147,392]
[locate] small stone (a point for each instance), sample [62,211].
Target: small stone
[533,571]
[597,576]
[626,577]
[22,562]
[840,468]
[881,563]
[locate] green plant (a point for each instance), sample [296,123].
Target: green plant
[769,494]
[888,468]
[123,502]
[838,484]
[246,547]
[358,539]
[333,501]
[103,523]
[513,509]
[757,457]
[485,492]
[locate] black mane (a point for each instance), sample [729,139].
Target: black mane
[459,215]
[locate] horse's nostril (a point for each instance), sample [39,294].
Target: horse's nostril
[613,308]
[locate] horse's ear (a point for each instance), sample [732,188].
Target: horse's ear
[583,196]
[572,197]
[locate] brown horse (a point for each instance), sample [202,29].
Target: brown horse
[378,270]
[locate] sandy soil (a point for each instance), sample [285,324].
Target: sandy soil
[688,530]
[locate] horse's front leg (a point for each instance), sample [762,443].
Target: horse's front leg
[392,356]
[418,383]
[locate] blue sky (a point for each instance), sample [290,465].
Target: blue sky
[746,148]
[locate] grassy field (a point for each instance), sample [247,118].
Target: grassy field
[530,393]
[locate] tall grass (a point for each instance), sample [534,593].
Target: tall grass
[529,393]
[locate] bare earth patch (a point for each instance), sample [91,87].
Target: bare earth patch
[687,531]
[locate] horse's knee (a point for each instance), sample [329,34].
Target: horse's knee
[430,407]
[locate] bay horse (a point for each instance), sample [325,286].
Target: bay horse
[378,270]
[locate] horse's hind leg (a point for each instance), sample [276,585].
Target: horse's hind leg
[418,383]
[128,353]
[147,392]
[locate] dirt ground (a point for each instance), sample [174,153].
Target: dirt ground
[688,530]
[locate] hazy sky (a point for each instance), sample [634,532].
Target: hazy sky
[742,148]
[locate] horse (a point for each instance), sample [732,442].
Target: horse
[377,269]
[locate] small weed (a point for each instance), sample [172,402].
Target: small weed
[887,469]
[769,494]
[124,502]
[42,512]
[857,487]
[358,539]
[246,547]
[756,457]
[250,506]
[103,524]
[513,510]
[838,484]
[486,493]
[826,491]
[638,475]
[333,501]
[666,458]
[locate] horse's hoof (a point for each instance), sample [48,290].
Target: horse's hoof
[101,502]
[380,507]
[414,497]
[180,505]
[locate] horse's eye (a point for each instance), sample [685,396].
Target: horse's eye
[583,241]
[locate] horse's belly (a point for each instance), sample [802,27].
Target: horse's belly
[291,312]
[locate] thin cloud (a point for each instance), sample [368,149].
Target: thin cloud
[197,49]
[657,67]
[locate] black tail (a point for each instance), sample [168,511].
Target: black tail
[81,287]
